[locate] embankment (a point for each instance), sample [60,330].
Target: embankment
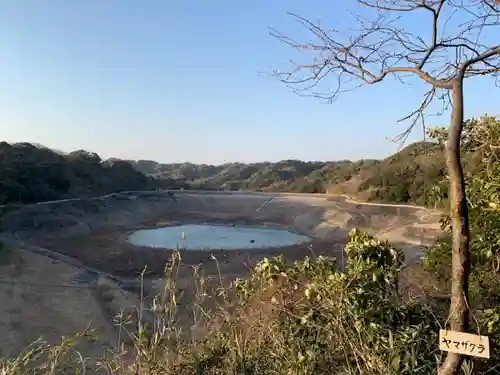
[71,256]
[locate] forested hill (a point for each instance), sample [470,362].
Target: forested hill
[32,173]
[406,176]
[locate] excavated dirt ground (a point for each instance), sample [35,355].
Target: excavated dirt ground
[69,262]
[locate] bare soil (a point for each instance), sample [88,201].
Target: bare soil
[83,242]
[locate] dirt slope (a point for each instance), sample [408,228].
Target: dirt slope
[57,276]
[40,297]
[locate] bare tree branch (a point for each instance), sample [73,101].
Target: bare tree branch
[483,57]
[455,48]
[382,48]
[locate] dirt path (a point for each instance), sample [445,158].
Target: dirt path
[353,201]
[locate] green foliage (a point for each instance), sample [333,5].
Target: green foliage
[302,318]
[319,320]
[411,175]
[415,174]
[32,174]
[309,317]
[286,175]
[403,177]
[406,176]
[481,138]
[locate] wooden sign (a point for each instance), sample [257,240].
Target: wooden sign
[464,343]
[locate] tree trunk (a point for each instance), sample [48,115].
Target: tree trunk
[459,308]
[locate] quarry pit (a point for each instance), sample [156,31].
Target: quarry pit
[81,263]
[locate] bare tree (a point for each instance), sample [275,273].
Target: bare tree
[452,50]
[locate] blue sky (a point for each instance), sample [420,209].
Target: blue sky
[179,81]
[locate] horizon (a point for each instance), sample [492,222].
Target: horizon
[182,82]
[65,153]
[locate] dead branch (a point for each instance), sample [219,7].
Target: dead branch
[383,47]
[456,49]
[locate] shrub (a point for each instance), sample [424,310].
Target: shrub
[482,138]
[310,318]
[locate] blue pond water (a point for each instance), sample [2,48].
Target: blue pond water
[201,237]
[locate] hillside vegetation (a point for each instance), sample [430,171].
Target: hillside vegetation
[371,317]
[31,173]
[407,176]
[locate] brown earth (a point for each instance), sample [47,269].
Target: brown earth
[75,256]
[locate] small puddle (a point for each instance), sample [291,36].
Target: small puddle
[204,236]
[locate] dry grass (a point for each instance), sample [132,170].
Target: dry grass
[302,318]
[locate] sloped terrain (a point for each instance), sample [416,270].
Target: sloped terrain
[74,254]
[41,298]
[31,173]
[70,260]
[407,176]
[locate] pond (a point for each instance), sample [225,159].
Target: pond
[220,237]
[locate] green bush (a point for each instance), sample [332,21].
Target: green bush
[310,318]
[482,138]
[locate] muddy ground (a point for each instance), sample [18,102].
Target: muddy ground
[68,262]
